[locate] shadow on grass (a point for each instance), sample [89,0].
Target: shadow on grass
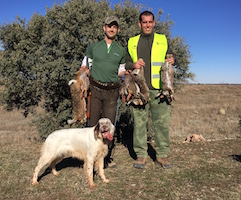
[124,130]
[65,163]
[236,157]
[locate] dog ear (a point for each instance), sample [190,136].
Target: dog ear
[96,130]
[112,128]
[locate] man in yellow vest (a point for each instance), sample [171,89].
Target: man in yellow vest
[149,50]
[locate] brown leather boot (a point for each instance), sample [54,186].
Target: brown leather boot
[140,163]
[163,162]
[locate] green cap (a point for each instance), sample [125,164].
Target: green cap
[111,19]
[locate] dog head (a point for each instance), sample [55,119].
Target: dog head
[104,129]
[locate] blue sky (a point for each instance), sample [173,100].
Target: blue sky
[211,28]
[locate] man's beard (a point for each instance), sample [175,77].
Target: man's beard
[110,38]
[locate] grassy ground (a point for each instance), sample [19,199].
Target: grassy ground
[205,170]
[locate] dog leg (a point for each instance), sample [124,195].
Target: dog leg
[35,176]
[88,168]
[99,167]
[53,166]
[44,160]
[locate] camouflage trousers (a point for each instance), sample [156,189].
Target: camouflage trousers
[160,114]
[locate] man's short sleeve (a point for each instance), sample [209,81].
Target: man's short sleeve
[123,59]
[89,51]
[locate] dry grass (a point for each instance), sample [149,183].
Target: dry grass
[197,110]
[207,170]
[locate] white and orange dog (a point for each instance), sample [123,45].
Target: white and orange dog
[88,144]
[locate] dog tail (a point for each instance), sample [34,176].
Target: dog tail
[71,81]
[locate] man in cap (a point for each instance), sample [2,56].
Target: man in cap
[106,59]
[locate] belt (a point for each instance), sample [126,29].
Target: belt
[104,86]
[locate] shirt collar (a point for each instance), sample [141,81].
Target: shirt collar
[144,35]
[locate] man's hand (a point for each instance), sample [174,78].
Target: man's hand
[170,59]
[139,63]
[122,73]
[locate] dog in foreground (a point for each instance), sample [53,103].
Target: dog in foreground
[88,144]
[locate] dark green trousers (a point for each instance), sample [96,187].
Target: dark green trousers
[160,113]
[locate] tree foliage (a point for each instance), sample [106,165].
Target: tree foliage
[42,55]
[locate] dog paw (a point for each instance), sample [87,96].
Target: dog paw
[55,172]
[35,183]
[93,187]
[106,180]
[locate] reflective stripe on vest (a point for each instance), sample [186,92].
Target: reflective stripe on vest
[158,53]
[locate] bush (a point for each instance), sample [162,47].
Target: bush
[42,55]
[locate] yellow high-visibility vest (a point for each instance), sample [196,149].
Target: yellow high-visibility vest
[158,53]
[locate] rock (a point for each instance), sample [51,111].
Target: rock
[222,111]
